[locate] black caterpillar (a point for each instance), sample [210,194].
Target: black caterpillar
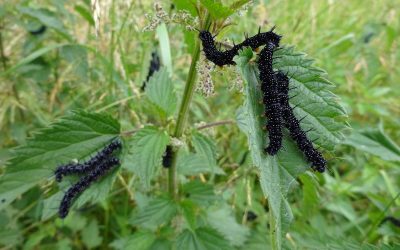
[275,88]
[78,188]
[269,84]
[222,58]
[154,67]
[270,89]
[39,31]
[293,124]
[393,220]
[251,216]
[167,157]
[83,168]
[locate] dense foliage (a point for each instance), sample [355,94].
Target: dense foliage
[71,81]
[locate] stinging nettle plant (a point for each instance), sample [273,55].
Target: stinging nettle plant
[180,203]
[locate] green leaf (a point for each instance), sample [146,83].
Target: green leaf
[85,13]
[75,222]
[200,193]
[278,173]
[221,219]
[206,147]
[91,235]
[238,4]
[258,239]
[158,211]
[32,57]
[47,18]
[161,244]
[217,9]
[8,237]
[75,136]
[189,5]
[165,49]
[189,213]
[211,239]
[375,142]
[160,91]
[201,239]
[141,240]
[313,97]
[203,161]
[310,194]
[187,241]
[145,153]
[76,55]
[193,164]
[51,204]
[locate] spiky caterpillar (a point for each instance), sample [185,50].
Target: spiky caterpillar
[154,67]
[82,168]
[222,58]
[318,163]
[271,101]
[167,157]
[74,191]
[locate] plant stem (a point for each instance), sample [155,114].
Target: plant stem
[183,113]
[272,229]
[2,54]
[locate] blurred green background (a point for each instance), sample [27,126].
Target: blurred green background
[68,67]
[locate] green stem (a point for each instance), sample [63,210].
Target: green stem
[2,54]
[272,229]
[183,113]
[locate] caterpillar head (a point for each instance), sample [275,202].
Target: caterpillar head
[205,36]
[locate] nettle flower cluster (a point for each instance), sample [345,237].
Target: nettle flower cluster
[181,17]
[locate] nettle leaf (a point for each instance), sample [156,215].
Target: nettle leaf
[200,193]
[222,219]
[312,97]
[165,48]
[203,161]
[193,164]
[75,136]
[189,5]
[375,142]
[238,4]
[145,153]
[216,9]
[46,17]
[158,211]
[188,210]
[51,204]
[202,238]
[140,240]
[85,12]
[206,147]
[278,173]
[161,244]
[160,91]
[310,194]
[91,235]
